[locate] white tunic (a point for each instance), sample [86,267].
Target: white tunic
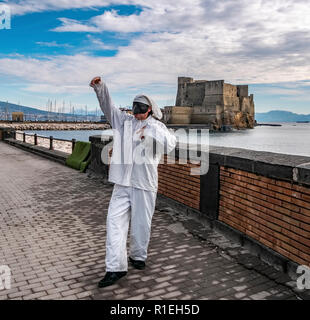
[126,167]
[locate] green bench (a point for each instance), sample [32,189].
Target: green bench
[80,157]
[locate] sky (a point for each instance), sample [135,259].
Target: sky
[54,48]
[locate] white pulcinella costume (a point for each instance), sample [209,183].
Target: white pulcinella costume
[133,170]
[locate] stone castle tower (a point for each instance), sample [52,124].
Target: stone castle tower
[215,103]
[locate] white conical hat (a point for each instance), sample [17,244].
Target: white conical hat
[150,102]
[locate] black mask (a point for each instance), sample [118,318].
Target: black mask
[139,107]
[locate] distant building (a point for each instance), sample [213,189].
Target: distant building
[17,116]
[215,103]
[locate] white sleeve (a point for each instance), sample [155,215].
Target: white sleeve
[115,116]
[162,135]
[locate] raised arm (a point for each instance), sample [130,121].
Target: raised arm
[115,116]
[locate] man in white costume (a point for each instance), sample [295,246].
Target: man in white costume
[133,170]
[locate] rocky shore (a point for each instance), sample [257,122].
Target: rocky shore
[55,126]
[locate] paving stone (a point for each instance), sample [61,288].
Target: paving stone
[84,294]
[35,295]
[72,292]
[171,295]
[260,296]
[139,297]
[55,296]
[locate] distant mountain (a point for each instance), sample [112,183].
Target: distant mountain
[280,116]
[33,113]
[17,108]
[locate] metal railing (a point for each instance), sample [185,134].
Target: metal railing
[51,139]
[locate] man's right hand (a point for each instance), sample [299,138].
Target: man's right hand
[94,81]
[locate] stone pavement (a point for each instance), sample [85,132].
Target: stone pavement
[52,236]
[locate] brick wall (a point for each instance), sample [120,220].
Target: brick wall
[273,212]
[176,182]
[264,195]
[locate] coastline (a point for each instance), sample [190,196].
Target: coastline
[268,124]
[55,126]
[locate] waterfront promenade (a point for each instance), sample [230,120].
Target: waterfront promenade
[52,235]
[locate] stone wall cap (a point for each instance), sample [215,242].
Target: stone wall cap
[262,156]
[287,167]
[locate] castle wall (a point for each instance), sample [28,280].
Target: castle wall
[195,93]
[203,115]
[213,95]
[252,106]
[231,103]
[178,115]
[243,90]
[229,90]
[214,87]
[246,105]
[231,100]
[216,102]
[210,101]
[182,90]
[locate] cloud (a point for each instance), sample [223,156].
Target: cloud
[150,60]
[53,44]
[71,25]
[240,41]
[97,44]
[268,38]
[22,7]
[155,17]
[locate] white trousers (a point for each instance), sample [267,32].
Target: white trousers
[137,205]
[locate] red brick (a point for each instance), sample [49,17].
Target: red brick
[267,180]
[290,255]
[284,184]
[306,198]
[268,234]
[268,215]
[301,203]
[305,211]
[302,189]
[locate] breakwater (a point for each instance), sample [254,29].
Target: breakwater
[55,126]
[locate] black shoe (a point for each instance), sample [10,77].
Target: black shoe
[110,278]
[137,264]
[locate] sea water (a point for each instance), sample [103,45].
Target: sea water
[289,138]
